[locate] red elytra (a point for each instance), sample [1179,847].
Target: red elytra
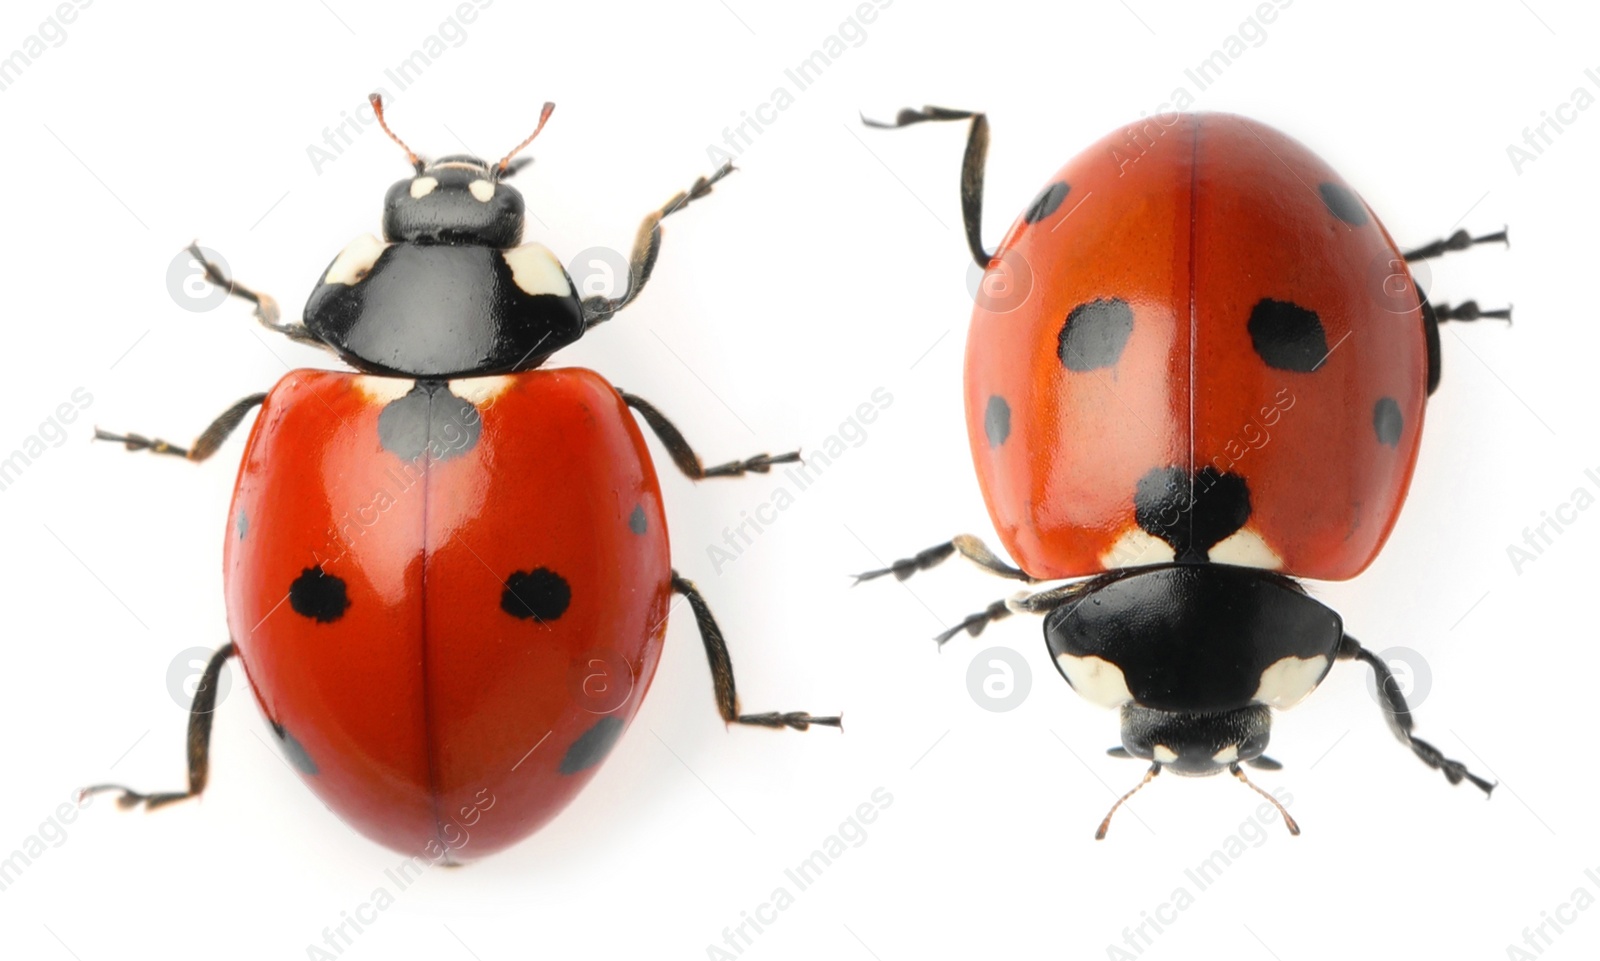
[1171,238]
[415,705]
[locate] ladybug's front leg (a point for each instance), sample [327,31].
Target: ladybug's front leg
[974,550]
[722,671]
[646,246]
[204,446]
[200,711]
[265,307]
[1398,714]
[684,456]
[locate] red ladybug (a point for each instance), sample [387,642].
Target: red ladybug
[1197,369]
[447,576]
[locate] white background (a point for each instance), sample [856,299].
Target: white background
[830,266]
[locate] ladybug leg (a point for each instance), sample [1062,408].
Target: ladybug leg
[1398,714]
[265,307]
[200,711]
[970,547]
[1460,240]
[972,164]
[722,670]
[646,246]
[684,456]
[204,446]
[1042,602]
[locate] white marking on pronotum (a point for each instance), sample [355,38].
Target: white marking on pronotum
[482,189]
[1136,548]
[1246,548]
[422,187]
[481,390]
[354,262]
[1227,755]
[537,271]
[1096,679]
[1164,754]
[1289,679]
[382,390]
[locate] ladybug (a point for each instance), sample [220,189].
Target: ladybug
[1196,371]
[447,573]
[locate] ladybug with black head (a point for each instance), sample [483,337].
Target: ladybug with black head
[447,572]
[1196,372]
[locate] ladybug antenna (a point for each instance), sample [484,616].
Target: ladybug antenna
[505,168]
[377,108]
[1288,821]
[1149,776]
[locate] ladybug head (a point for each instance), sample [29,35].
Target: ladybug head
[1196,744]
[459,199]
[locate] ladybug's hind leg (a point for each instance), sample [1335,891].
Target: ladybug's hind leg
[200,712]
[684,456]
[646,246]
[972,164]
[204,446]
[1398,714]
[722,670]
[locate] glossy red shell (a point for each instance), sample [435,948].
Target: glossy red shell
[436,722]
[1193,222]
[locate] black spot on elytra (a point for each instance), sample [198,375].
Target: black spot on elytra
[294,751]
[997,420]
[318,595]
[1287,336]
[1192,517]
[429,419]
[1387,421]
[1047,203]
[1342,203]
[541,594]
[592,745]
[636,521]
[1095,334]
